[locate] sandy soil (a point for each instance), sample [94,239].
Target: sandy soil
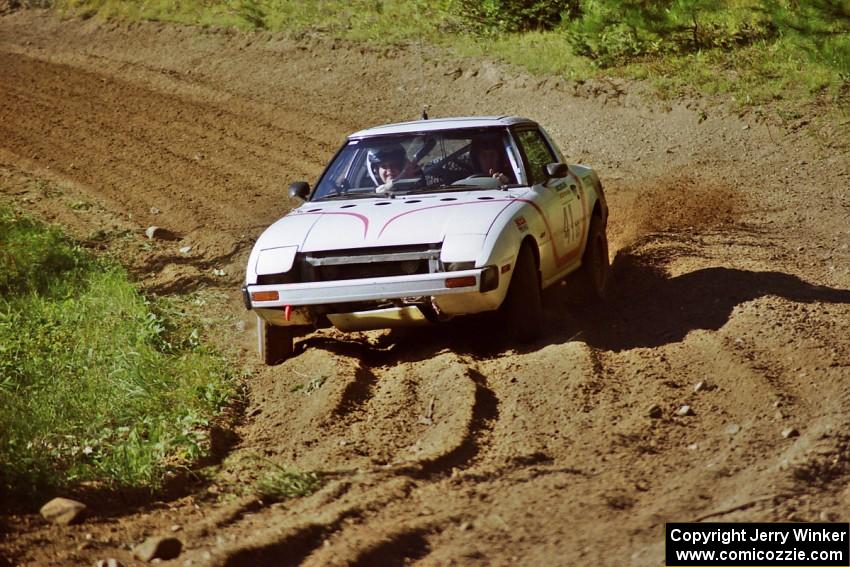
[731,249]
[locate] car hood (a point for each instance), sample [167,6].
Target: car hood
[357,223]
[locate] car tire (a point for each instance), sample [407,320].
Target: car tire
[275,342]
[522,309]
[591,280]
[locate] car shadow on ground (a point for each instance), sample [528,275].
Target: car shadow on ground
[647,308]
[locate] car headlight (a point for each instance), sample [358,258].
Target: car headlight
[459,251]
[276,260]
[458,266]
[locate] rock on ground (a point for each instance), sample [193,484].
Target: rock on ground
[159,233]
[63,511]
[158,548]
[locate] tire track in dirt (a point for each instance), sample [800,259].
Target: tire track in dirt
[204,88]
[400,546]
[478,431]
[479,459]
[286,551]
[152,146]
[357,393]
[410,415]
[292,405]
[425,417]
[416,420]
[148,128]
[440,413]
[290,539]
[209,120]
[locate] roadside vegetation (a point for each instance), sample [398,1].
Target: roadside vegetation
[98,384]
[753,50]
[280,484]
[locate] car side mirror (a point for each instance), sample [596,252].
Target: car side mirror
[557,170]
[299,189]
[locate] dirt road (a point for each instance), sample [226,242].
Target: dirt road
[731,248]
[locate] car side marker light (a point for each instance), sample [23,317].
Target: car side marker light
[464,281]
[287,312]
[265,296]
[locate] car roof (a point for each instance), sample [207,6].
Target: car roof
[442,124]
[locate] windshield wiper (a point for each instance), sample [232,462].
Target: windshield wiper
[349,196]
[452,187]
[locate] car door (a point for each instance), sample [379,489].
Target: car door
[577,212]
[559,197]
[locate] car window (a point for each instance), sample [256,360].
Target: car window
[537,154]
[424,161]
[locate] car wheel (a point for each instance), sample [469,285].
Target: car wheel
[275,342]
[592,277]
[522,309]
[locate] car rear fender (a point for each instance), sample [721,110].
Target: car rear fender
[593,189]
[596,204]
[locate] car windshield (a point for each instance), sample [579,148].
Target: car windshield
[462,159]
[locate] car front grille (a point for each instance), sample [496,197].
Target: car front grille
[359,263]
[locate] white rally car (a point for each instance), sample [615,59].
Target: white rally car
[420,222]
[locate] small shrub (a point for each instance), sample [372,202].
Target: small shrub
[282,484]
[252,13]
[515,15]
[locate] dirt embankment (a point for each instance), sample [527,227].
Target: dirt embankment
[730,246]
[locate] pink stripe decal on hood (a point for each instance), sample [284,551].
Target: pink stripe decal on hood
[398,216]
[363,218]
[559,259]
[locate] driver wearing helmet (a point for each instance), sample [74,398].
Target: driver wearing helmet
[389,164]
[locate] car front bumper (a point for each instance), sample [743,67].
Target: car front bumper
[370,289]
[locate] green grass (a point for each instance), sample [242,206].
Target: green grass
[97,382]
[753,75]
[539,52]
